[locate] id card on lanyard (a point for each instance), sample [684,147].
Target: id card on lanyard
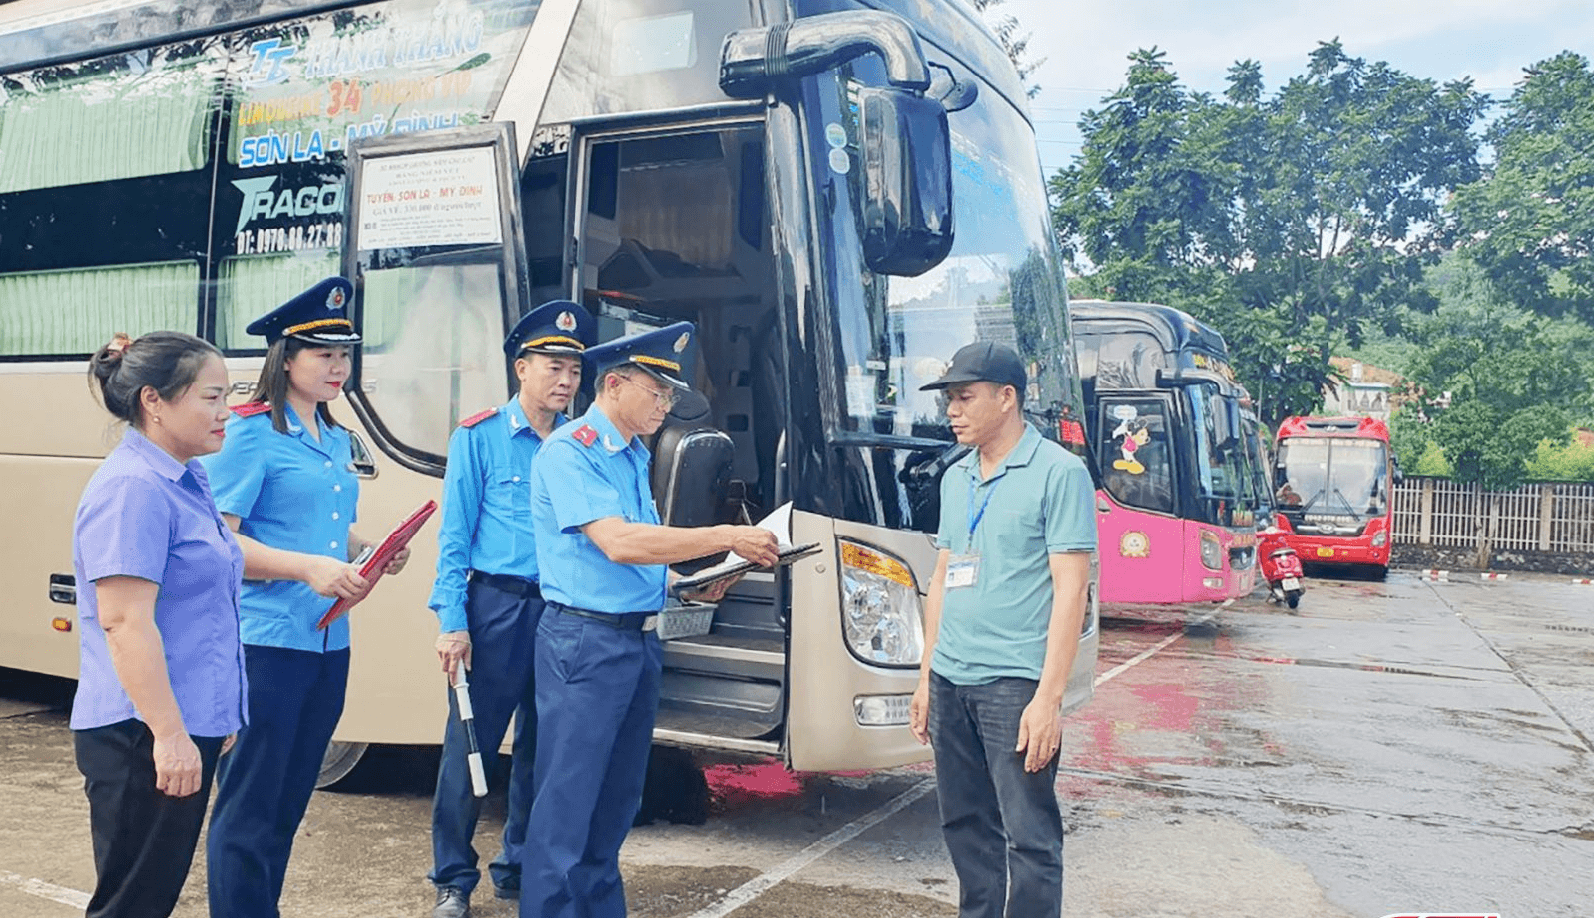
[964,570]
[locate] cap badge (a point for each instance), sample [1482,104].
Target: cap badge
[681,342]
[566,322]
[335,299]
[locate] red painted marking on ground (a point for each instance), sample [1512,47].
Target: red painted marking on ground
[766,781]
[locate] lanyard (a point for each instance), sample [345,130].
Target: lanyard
[974,518]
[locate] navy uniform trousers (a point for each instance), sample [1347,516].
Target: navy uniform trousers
[503,633]
[597,696]
[264,783]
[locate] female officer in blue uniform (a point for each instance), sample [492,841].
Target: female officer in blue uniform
[486,595]
[285,483]
[602,555]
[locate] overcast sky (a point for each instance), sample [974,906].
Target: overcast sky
[1087,43]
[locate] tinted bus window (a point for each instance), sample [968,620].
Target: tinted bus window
[310,87]
[124,192]
[54,313]
[125,116]
[1136,454]
[85,149]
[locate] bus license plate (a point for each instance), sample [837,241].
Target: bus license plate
[1325,552]
[1290,583]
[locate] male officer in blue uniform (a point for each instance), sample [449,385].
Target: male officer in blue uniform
[603,557]
[486,595]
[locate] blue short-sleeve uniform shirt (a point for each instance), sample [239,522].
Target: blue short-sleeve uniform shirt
[290,492]
[587,472]
[146,515]
[1038,502]
[486,508]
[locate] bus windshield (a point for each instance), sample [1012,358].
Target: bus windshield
[1331,485]
[1256,451]
[1000,283]
[1223,469]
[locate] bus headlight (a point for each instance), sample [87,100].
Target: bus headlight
[882,616]
[1211,552]
[1381,539]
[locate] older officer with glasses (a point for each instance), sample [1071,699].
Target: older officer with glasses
[487,598]
[603,555]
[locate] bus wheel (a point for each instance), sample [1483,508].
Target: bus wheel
[339,760]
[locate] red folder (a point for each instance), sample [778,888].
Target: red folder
[377,563]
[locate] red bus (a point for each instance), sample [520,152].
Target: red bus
[1333,478]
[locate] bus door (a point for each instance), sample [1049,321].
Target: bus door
[435,251]
[671,223]
[1138,527]
[437,258]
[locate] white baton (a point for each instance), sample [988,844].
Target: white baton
[467,719]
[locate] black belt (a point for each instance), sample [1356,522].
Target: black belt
[619,621]
[505,583]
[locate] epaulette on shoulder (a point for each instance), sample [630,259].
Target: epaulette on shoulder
[585,435]
[250,409]
[478,417]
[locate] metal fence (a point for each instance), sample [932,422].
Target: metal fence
[1550,517]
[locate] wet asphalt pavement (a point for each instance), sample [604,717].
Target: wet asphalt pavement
[1391,747]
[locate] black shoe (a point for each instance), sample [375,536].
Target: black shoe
[451,903]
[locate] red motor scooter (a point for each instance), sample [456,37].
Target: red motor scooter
[1281,567]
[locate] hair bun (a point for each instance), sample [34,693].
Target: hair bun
[106,360]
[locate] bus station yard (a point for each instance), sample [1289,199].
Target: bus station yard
[1405,746]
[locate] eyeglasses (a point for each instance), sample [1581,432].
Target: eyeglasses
[665,400]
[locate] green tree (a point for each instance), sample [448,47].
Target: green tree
[1141,203]
[1014,39]
[1293,223]
[1497,379]
[1562,461]
[1530,221]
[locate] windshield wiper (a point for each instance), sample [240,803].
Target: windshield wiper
[1307,507]
[1345,502]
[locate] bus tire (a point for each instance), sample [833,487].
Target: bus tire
[340,759]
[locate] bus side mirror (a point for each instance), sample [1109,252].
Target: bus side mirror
[1231,412]
[907,164]
[1399,476]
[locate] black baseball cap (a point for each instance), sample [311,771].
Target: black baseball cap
[983,361]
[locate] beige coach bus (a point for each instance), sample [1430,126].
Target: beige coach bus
[838,192]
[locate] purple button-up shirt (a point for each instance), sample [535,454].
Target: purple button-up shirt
[145,515]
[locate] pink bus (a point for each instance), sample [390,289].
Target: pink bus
[1176,496]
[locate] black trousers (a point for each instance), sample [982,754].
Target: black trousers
[144,840]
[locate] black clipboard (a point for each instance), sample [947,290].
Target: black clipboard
[727,569]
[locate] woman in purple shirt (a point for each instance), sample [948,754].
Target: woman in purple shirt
[161,680]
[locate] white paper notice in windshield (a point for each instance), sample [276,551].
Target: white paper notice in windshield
[448,197]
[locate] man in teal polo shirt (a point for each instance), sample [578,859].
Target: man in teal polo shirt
[1001,628]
